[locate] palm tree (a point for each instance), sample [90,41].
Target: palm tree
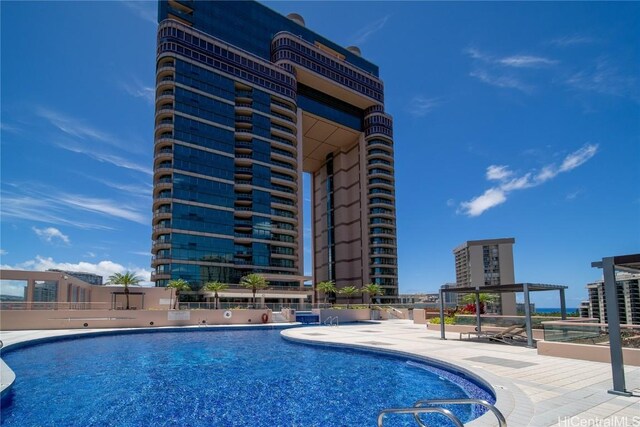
[483,297]
[349,291]
[179,285]
[215,287]
[254,282]
[373,290]
[327,287]
[126,279]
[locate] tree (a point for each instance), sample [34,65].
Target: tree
[327,287]
[373,290]
[349,292]
[470,299]
[126,279]
[254,282]
[179,285]
[215,287]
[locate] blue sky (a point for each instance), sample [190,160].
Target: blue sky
[511,120]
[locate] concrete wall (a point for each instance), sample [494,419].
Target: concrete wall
[70,319]
[595,353]
[344,316]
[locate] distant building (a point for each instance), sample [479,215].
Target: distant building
[520,308]
[92,279]
[418,298]
[450,298]
[486,263]
[628,299]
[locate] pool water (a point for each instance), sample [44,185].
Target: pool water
[217,378]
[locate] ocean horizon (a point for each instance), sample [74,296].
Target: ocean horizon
[555,310]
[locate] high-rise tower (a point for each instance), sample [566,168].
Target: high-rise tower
[246,101]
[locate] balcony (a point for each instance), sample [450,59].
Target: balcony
[282,129]
[163,154]
[160,276]
[285,141]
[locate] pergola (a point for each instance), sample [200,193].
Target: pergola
[501,289]
[609,265]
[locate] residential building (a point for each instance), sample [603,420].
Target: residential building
[90,278]
[247,100]
[628,292]
[485,263]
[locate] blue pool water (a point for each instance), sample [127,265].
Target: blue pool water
[216,378]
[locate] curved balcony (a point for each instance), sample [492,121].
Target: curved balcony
[157,201]
[165,154]
[243,134]
[164,111]
[245,95]
[163,127]
[380,153]
[379,142]
[289,130]
[242,212]
[242,184]
[160,276]
[166,68]
[160,185]
[376,171]
[165,96]
[160,229]
[159,215]
[165,83]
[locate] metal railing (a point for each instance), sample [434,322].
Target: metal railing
[332,321]
[50,305]
[420,407]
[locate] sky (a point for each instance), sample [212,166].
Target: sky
[510,120]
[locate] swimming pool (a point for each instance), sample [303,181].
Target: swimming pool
[216,378]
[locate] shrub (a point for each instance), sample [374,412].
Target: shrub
[447,320]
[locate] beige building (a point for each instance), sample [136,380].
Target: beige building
[485,263]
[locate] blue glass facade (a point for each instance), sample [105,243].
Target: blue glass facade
[227,166]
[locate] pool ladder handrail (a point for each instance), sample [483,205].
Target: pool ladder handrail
[419,408]
[329,321]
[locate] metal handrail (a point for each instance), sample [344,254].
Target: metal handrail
[329,321]
[415,411]
[502,422]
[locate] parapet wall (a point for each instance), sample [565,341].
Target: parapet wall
[13,320]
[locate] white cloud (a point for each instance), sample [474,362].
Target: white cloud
[579,157]
[604,77]
[145,10]
[104,207]
[103,268]
[498,172]
[48,205]
[139,90]
[3,252]
[90,254]
[105,157]
[526,61]
[476,206]
[572,40]
[363,34]
[420,106]
[507,183]
[503,81]
[501,71]
[50,234]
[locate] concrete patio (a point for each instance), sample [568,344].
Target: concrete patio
[532,390]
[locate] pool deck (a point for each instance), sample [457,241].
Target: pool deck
[531,390]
